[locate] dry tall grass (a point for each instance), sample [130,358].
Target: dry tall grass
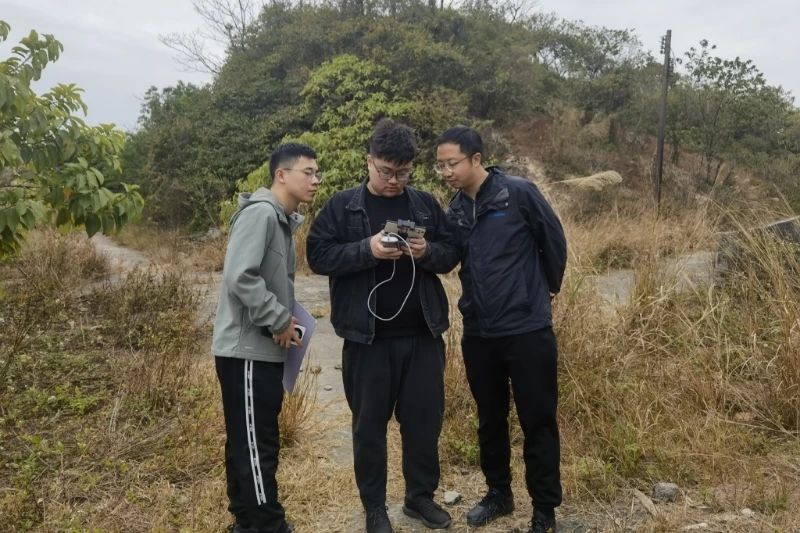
[300,236]
[52,262]
[39,287]
[459,440]
[627,232]
[299,406]
[697,387]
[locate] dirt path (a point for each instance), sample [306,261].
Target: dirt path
[122,259]
[325,352]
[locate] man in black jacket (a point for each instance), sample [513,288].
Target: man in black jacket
[513,259]
[389,306]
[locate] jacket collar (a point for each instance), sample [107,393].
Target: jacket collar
[357,202]
[491,192]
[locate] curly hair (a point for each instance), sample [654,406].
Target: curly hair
[393,142]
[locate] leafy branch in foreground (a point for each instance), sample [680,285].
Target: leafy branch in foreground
[54,168]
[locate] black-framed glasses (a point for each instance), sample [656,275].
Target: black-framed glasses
[310,174]
[441,166]
[400,174]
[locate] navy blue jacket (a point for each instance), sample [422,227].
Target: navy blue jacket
[338,247]
[513,255]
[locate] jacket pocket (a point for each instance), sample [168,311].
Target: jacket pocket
[507,302]
[251,338]
[354,233]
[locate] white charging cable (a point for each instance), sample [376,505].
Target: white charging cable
[390,278]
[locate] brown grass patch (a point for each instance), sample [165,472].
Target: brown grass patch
[299,406]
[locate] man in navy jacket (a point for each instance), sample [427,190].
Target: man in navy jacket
[513,255]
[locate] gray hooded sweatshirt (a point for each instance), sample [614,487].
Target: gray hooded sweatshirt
[256,296]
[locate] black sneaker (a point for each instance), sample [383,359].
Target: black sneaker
[542,523]
[378,520]
[428,511]
[494,505]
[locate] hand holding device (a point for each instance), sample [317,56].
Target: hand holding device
[285,337]
[405,229]
[382,249]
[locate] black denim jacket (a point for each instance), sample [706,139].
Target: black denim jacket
[338,247]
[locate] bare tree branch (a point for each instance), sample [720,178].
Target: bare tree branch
[192,52]
[514,10]
[226,22]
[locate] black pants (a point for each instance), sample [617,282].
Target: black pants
[252,395]
[404,375]
[530,362]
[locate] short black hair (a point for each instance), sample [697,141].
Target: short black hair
[468,140]
[393,142]
[286,154]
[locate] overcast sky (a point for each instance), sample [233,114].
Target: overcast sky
[112,51]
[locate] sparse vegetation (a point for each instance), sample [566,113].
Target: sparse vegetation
[108,398]
[190,253]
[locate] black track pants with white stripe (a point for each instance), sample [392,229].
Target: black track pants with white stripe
[252,394]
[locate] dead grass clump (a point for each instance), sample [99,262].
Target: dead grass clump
[51,262]
[298,406]
[40,289]
[620,236]
[763,285]
[152,316]
[160,245]
[300,237]
[209,254]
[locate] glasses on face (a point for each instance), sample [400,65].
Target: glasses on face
[441,166]
[310,174]
[401,174]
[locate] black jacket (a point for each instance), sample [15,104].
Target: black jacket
[513,256]
[338,247]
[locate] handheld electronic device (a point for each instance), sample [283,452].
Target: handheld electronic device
[299,331]
[394,232]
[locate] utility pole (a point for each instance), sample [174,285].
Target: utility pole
[662,118]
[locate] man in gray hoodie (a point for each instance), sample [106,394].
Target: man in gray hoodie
[253,330]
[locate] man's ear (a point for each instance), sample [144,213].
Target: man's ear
[476,158]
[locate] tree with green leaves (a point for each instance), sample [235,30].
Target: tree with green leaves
[343,99]
[54,168]
[170,158]
[724,109]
